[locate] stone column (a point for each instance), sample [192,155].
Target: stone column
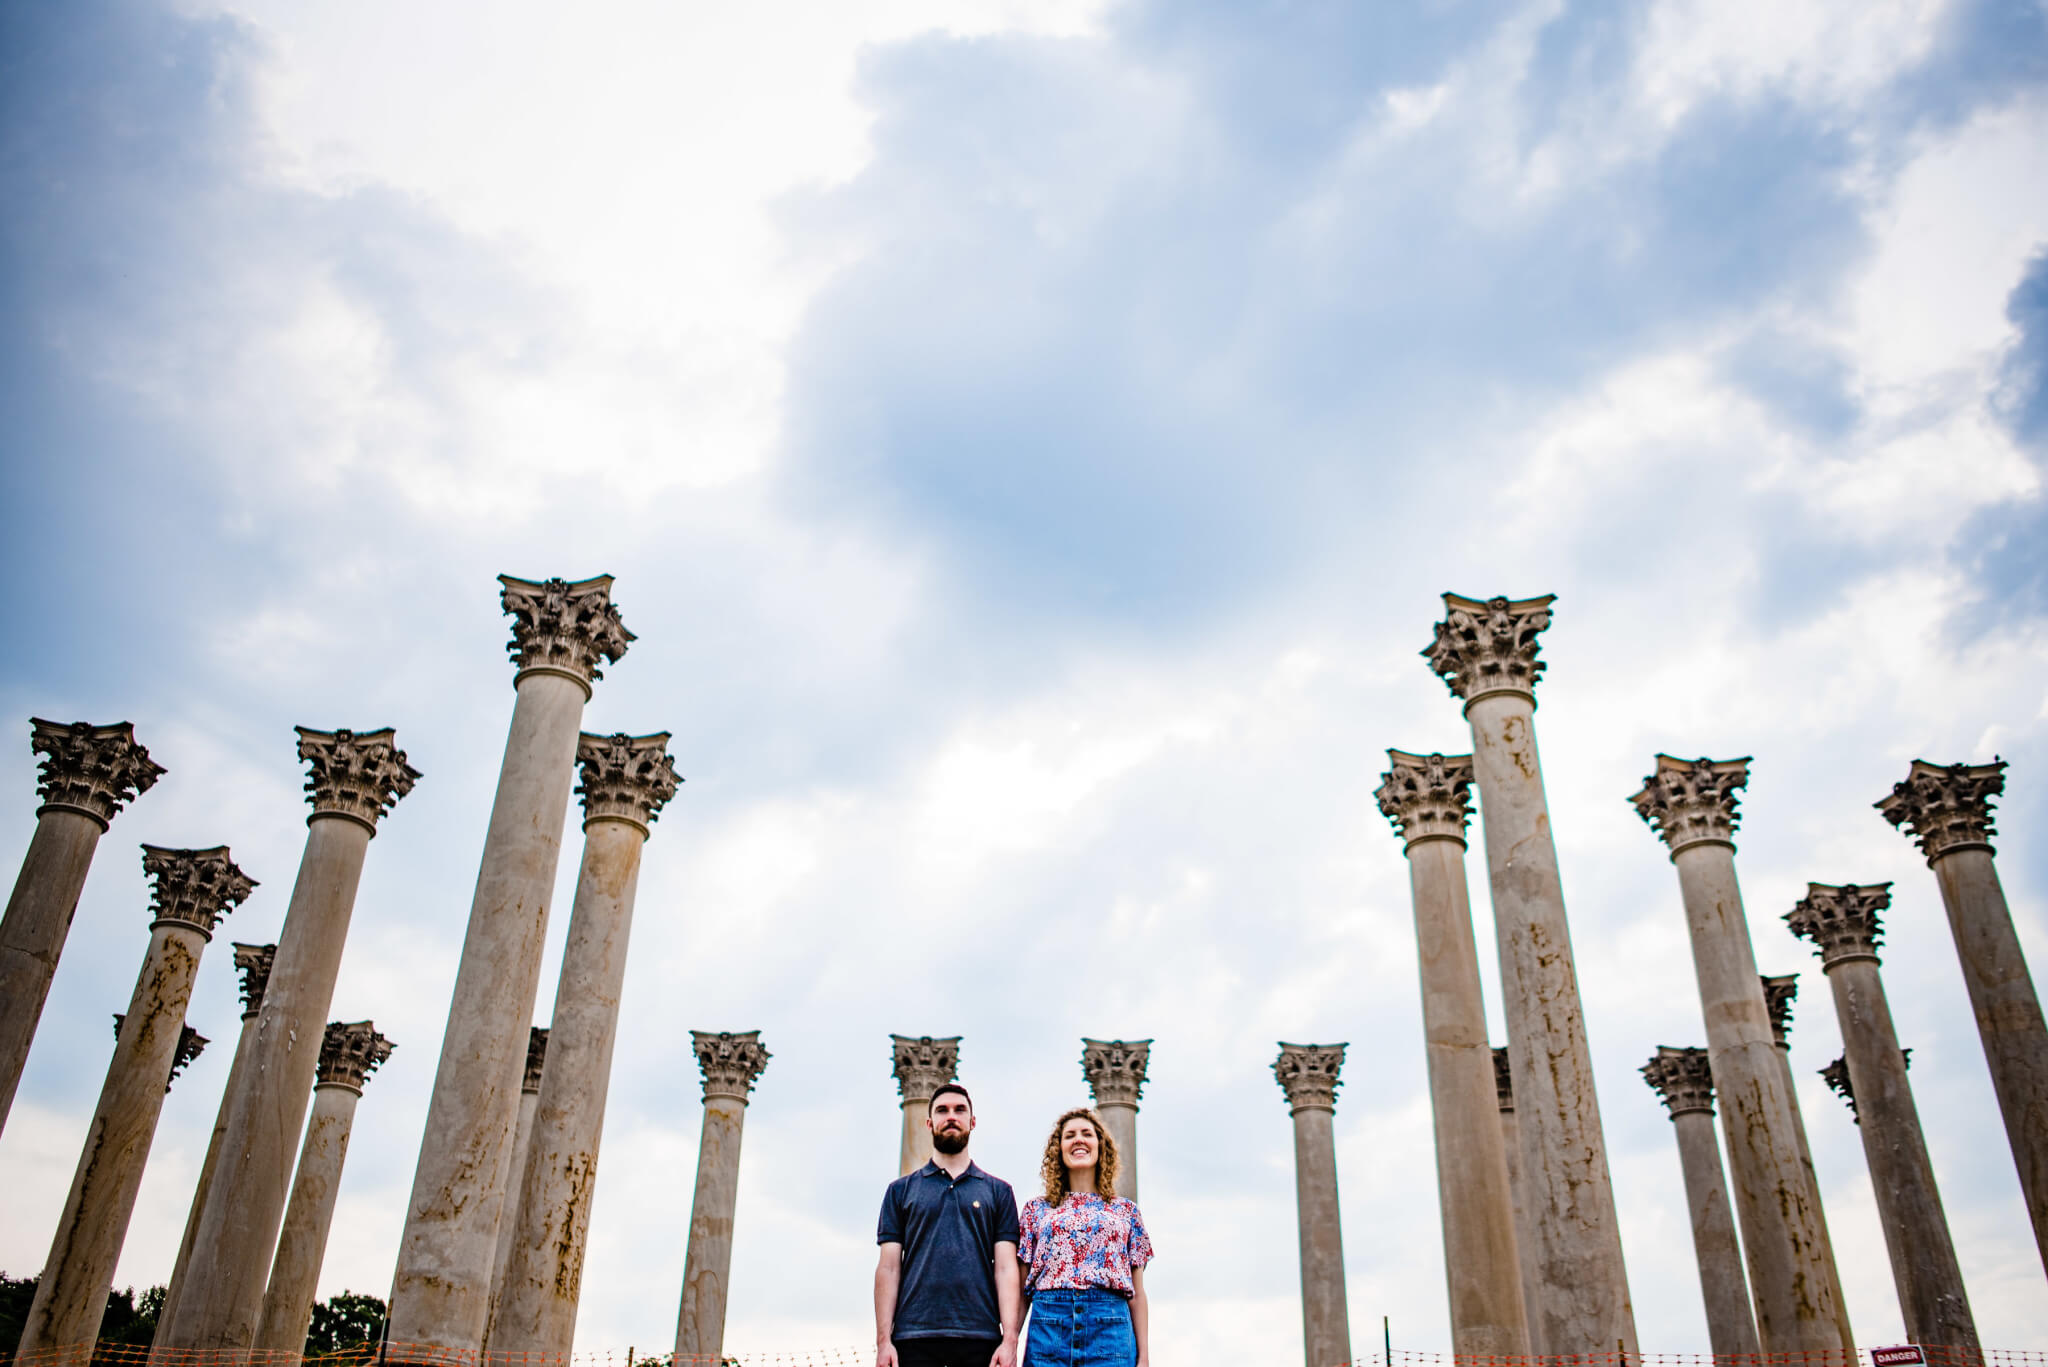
[514,1176]
[923,1065]
[349,1053]
[1947,811]
[1845,924]
[1779,995]
[1308,1074]
[192,890]
[1685,1080]
[626,782]
[1691,805]
[89,773]
[440,1296]
[1428,800]
[1511,1147]
[1486,653]
[253,962]
[732,1063]
[356,777]
[1115,1069]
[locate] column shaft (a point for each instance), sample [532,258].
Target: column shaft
[1731,1327]
[1924,1267]
[514,1182]
[1121,1120]
[32,935]
[440,1296]
[917,1140]
[1326,1324]
[1481,1265]
[237,1079]
[1525,1242]
[1806,1158]
[1582,1292]
[302,1246]
[707,1267]
[79,1274]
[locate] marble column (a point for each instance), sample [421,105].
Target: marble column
[1115,1069]
[1428,800]
[191,1044]
[626,782]
[440,1295]
[1684,1079]
[1946,809]
[253,962]
[1511,1147]
[732,1063]
[349,1053]
[355,778]
[191,890]
[1779,995]
[514,1176]
[1308,1075]
[1691,805]
[1845,924]
[89,773]
[1486,654]
[923,1065]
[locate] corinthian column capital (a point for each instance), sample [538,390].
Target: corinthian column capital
[1779,994]
[1489,646]
[1427,797]
[1503,1078]
[191,1044]
[357,775]
[1115,1069]
[563,627]
[625,778]
[193,887]
[1692,802]
[924,1064]
[1844,923]
[350,1052]
[92,770]
[536,1058]
[732,1062]
[1946,807]
[1682,1078]
[1308,1074]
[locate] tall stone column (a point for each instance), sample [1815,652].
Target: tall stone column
[1428,800]
[1511,1147]
[1947,811]
[192,889]
[1486,654]
[440,1296]
[1308,1075]
[923,1065]
[1691,805]
[732,1063]
[514,1176]
[89,773]
[1845,924]
[356,777]
[1779,995]
[1115,1069]
[349,1053]
[1684,1079]
[626,782]
[253,962]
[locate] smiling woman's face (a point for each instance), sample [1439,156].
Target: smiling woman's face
[1079,1143]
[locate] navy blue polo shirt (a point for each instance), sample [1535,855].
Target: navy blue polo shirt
[949,1231]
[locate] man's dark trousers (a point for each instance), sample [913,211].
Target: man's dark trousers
[945,1352]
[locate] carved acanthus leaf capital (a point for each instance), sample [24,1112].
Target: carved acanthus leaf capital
[1115,1069]
[191,1044]
[359,775]
[1308,1074]
[92,770]
[194,887]
[1503,1078]
[536,1058]
[1427,796]
[564,627]
[625,778]
[1779,994]
[254,962]
[1946,807]
[732,1061]
[924,1064]
[350,1052]
[1683,1078]
[1692,802]
[1843,922]
[1836,1075]
[1489,646]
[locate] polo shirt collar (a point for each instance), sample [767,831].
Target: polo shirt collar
[931,1166]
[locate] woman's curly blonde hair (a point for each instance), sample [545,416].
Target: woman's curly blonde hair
[1054,1168]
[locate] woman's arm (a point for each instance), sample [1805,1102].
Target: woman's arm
[1140,1313]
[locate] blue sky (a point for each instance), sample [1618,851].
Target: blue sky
[1030,440]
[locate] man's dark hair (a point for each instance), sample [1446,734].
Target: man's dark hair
[945,1088]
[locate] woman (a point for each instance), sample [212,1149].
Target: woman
[1084,1250]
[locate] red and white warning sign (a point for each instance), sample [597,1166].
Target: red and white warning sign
[1897,1357]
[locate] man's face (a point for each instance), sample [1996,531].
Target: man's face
[951,1120]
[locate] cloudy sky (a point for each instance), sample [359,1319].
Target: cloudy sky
[1031,437]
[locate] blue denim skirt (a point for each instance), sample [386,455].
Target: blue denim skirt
[1080,1329]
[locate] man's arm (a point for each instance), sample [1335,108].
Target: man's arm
[1009,1303]
[888,1276]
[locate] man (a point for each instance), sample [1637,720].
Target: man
[946,1288]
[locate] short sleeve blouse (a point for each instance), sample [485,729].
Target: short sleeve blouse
[1081,1244]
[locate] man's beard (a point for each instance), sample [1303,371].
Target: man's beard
[949,1141]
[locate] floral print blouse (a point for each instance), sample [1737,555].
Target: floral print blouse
[1082,1244]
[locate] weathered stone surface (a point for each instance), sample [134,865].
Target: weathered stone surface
[625,778]
[1687,802]
[1779,995]
[1115,1072]
[357,775]
[564,626]
[923,1064]
[92,770]
[191,1044]
[513,1179]
[1946,807]
[1488,646]
[731,1063]
[1308,1074]
[1511,1148]
[1684,1080]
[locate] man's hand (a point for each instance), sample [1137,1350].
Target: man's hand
[885,1354]
[1006,1354]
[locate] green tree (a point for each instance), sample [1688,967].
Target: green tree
[344,1322]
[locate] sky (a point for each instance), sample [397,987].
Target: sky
[1031,440]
